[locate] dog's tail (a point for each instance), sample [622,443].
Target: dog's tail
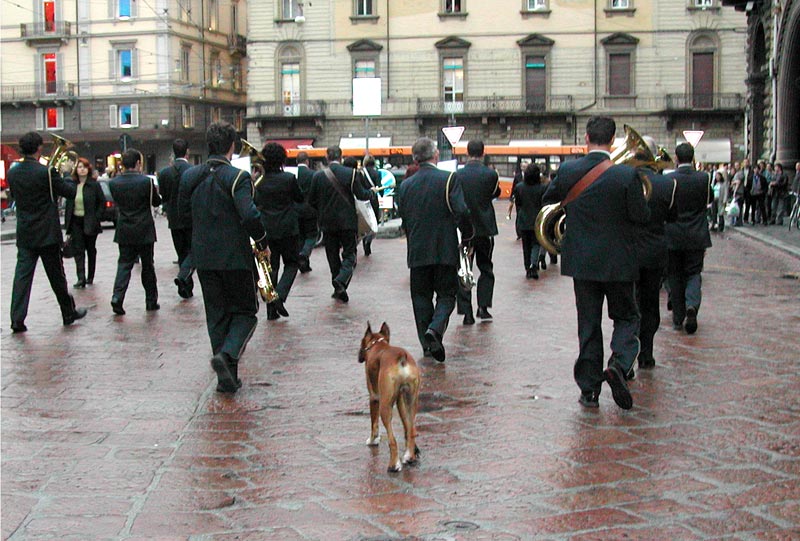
[402,359]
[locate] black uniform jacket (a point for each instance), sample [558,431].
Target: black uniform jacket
[528,198]
[169,180]
[38,223]
[93,202]
[305,176]
[429,223]
[602,223]
[337,212]
[652,239]
[480,185]
[219,199]
[134,195]
[277,196]
[692,195]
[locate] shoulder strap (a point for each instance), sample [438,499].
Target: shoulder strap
[333,180]
[586,181]
[447,193]
[50,179]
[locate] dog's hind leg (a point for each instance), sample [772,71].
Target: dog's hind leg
[406,406]
[375,435]
[386,417]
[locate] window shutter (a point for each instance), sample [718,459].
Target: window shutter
[112,65]
[37,72]
[60,117]
[112,116]
[112,9]
[619,74]
[39,119]
[60,86]
[134,8]
[134,63]
[134,115]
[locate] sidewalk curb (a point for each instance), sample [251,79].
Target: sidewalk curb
[780,245]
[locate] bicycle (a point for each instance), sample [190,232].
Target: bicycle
[794,216]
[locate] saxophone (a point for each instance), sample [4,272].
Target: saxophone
[264,269]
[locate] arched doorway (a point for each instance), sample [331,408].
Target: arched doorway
[788,147]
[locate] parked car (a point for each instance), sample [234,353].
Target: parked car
[109,212]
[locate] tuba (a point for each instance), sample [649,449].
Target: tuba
[256,161]
[61,154]
[550,226]
[264,269]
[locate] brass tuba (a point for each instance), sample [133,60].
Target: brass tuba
[550,226]
[264,269]
[61,154]
[256,160]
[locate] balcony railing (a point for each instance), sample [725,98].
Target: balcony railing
[237,44]
[298,108]
[495,104]
[51,30]
[706,102]
[38,92]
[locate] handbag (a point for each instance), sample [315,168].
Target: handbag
[367,222]
[68,248]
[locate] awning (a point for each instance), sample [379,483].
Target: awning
[360,142]
[292,143]
[711,150]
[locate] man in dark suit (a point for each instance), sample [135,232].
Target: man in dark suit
[219,199]
[135,196]
[36,189]
[431,204]
[687,239]
[652,249]
[599,252]
[332,191]
[480,185]
[277,195]
[308,216]
[169,180]
[743,179]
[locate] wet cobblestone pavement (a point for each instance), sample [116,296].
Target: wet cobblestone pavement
[111,428]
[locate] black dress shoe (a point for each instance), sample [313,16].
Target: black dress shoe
[79,313]
[225,381]
[152,306]
[619,389]
[184,290]
[691,320]
[433,342]
[590,400]
[116,306]
[483,313]
[80,284]
[469,319]
[646,362]
[280,308]
[18,327]
[532,274]
[272,313]
[339,291]
[542,263]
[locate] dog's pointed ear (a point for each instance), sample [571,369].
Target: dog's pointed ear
[385,330]
[369,329]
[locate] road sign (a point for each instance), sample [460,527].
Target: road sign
[453,134]
[693,136]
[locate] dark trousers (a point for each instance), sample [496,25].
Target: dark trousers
[127,257]
[23,280]
[308,234]
[482,256]
[425,281]
[530,249]
[748,212]
[589,297]
[285,249]
[231,305]
[685,282]
[340,249]
[648,290]
[182,240]
[760,208]
[85,247]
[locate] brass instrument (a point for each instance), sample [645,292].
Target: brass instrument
[465,275]
[634,151]
[256,161]
[264,269]
[61,154]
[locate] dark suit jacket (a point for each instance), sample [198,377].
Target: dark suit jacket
[134,195]
[93,201]
[528,199]
[219,199]
[276,197]
[480,185]
[38,223]
[692,195]
[602,223]
[337,212]
[169,180]
[652,240]
[305,176]
[430,225]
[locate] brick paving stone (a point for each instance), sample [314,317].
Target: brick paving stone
[111,428]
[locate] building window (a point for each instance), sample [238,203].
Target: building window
[124,116]
[364,69]
[216,70]
[216,114]
[619,74]
[454,6]
[290,9]
[536,5]
[125,63]
[187,116]
[124,9]
[702,68]
[50,73]
[535,83]
[453,84]
[364,8]
[621,4]
[290,88]
[238,120]
[50,118]
[703,3]
[49,11]
[213,15]
[184,63]
[236,73]
[185,11]
[234,17]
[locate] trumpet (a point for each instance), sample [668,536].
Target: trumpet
[256,161]
[264,269]
[61,154]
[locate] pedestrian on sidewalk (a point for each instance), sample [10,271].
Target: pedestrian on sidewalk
[308,216]
[135,235]
[82,220]
[780,195]
[219,199]
[36,189]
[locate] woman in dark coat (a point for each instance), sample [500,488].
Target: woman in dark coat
[82,220]
[528,198]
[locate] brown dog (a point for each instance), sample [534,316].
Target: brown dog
[392,377]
